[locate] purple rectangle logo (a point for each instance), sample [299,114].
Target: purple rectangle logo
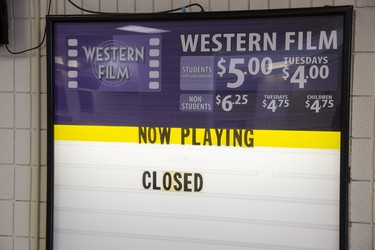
[118,63]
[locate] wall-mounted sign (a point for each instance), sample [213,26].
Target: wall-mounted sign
[225,130]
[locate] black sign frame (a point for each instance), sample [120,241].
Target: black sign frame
[346,13]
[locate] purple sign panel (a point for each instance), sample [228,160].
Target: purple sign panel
[162,73]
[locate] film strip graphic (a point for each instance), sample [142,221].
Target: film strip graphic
[154,63]
[72,63]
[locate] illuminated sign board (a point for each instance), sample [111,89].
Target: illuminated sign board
[222,130]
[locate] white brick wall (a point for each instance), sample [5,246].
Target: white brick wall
[362,157]
[360,204]
[344,2]
[365,3]
[7,80]
[320,3]
[362,117]
[364,28]
[108,6]
[19,83]
[6,182]
[364,73]
[259,4]
[279,4]
[6,110]
[300,3]
[6,146]
[6,242]
[6,218]
[91,5]
[22,128]
[162,5]
[361,237]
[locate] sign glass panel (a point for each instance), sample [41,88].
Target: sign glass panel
[198,131]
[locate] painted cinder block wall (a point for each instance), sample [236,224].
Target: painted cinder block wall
[23,119]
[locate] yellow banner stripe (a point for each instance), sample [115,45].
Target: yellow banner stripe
[96,133]
[297,139]
[200,136]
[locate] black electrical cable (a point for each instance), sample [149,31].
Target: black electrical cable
[93,12]
[166,11]
[184,7]
[89,11]
[40,44]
